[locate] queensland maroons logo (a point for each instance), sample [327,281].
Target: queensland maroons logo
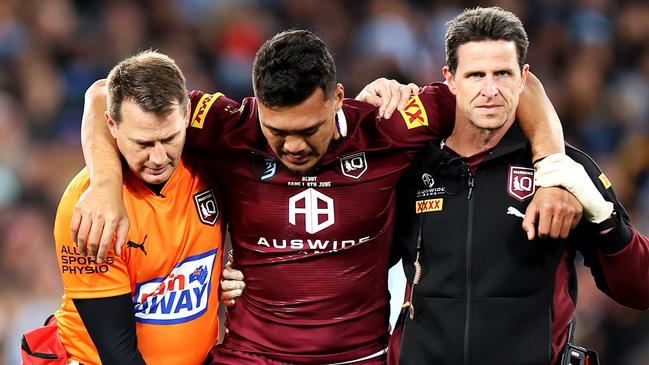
[354,166]
[520,182]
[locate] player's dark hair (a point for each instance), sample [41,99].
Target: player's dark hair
[290,67]
[151,79]
[480,24]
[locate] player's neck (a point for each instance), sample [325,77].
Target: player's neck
[156,188]
[131,178]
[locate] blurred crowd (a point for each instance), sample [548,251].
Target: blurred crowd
[591,55]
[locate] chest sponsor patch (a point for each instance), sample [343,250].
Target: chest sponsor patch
[426,193]
[429,205]
[520,182]
[354,165]
[428,180]
[313,208]
[414,113]
[208,210]
[179,297]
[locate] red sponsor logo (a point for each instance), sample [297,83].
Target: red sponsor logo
[414,113]
[429,205]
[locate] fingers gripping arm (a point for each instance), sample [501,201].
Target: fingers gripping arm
[388,95]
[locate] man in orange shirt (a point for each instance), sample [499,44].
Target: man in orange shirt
[156,302]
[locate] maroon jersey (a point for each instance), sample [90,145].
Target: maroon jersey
[313,248]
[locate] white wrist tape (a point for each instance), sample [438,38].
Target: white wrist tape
[560,170]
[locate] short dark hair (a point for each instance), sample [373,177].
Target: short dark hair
[151,79]
[479,24]
[289,68]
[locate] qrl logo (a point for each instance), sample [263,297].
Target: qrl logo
[520,183]
[317,208]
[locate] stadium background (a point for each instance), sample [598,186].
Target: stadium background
[592,56]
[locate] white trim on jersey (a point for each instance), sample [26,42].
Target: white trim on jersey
[342,123]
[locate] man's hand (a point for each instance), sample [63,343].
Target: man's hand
[232,285]
[554,211]
[98,216]
[388,95]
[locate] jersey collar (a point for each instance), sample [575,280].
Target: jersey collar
[139,188]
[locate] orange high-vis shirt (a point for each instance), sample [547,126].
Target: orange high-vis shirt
[171,266]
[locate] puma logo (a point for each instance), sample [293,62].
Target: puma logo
[137,245]
[516,212]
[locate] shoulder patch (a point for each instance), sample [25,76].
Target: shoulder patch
[202,107]
[414,113]
[605,181]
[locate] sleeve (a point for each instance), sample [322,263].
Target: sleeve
[627,271]
[618,259]
[212,117]
[82,277]
[110,322]
[429,116]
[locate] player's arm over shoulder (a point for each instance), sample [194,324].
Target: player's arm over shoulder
[426,117]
